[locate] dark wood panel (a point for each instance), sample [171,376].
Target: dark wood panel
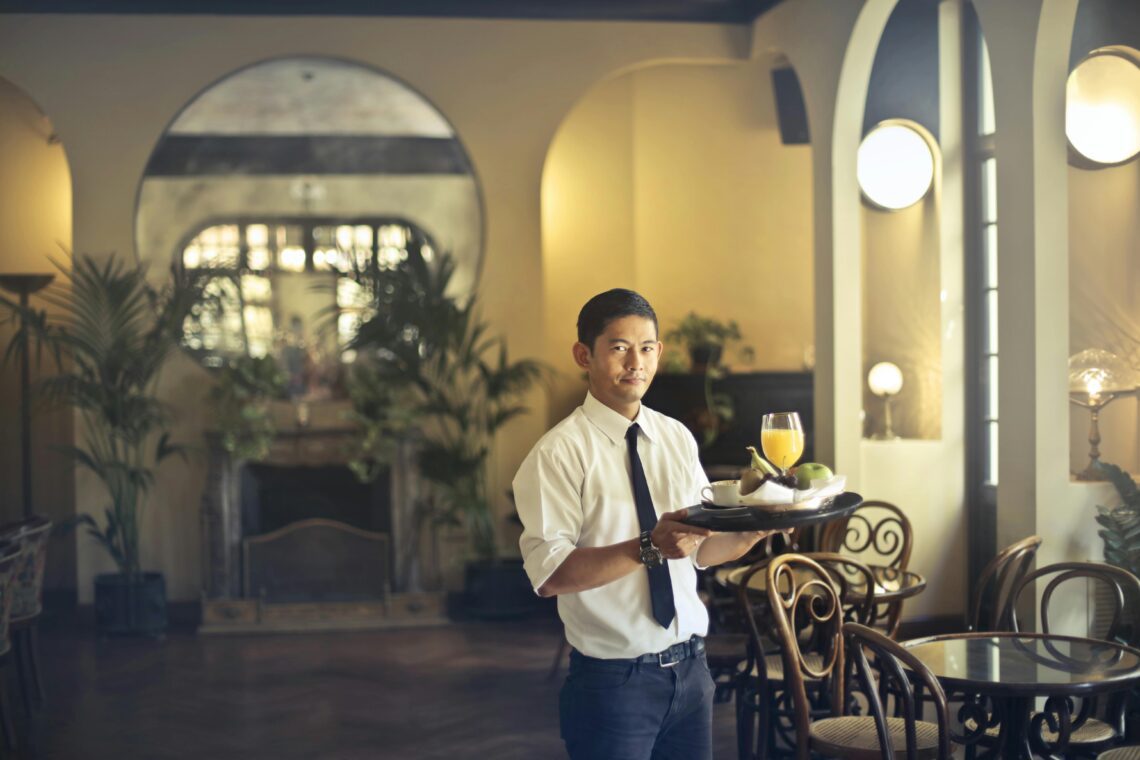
[753,394]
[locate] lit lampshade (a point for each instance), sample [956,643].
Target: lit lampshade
[895,166]
[1102,106]
[885,379]
[1096,378]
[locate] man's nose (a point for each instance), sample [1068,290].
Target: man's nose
[633,360]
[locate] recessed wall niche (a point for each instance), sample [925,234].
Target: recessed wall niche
[275,176]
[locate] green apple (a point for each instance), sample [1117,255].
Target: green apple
[809,471]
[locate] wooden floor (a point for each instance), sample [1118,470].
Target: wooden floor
[468,690]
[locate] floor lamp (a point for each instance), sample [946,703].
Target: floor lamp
[24,285]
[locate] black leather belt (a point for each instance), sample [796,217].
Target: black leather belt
[674,654]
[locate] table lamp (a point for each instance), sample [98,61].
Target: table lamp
[885,381]
[1096,379]
[24,285]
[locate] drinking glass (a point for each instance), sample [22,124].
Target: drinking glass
[782,438]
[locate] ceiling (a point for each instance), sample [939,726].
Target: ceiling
[713,11]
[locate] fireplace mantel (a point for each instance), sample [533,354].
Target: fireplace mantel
[224,606]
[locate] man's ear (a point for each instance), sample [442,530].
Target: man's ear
[581,355]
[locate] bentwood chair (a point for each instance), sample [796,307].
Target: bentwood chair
[908,735]
[993,594]
[27,604]
[1087,734]
[806,606]
[765,713]
[878,533]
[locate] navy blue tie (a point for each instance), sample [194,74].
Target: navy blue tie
[660,586]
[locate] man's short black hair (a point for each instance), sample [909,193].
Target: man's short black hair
[604,308]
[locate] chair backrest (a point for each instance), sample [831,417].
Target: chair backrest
[28,581]
[807,610]
[856,584]
[1124,587]
[877,529]
[993,594]
[890,659]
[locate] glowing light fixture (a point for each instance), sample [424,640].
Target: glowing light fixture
[885,380]
[1102,106]
[895,165]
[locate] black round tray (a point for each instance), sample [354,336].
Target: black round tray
[740,519]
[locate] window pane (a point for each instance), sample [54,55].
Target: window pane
[991,322]
[989,190]
[986,122]
[990,252]
[991,475]
[991,409]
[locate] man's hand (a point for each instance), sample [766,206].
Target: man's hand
[674,538]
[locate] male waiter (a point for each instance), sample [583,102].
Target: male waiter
[594,496]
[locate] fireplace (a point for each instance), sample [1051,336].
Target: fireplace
[296,542]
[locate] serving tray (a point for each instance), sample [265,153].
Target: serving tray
[775,517]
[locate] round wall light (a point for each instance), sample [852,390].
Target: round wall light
[1102,106]
[895,165]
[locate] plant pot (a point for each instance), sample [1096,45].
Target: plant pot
[130,604]
[498,590]
[703,357]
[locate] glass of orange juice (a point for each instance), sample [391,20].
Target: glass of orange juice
[782,438]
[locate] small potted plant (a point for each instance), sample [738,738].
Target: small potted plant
[705,339]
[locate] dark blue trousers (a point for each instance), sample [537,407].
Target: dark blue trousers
[622,710]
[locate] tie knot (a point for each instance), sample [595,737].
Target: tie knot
[631,432]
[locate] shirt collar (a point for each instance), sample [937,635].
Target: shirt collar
[614,424]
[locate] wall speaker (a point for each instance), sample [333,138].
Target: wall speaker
[790,109]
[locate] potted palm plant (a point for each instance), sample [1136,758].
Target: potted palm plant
[463,387]
[111,333]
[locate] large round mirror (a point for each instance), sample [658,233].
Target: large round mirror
[279,183]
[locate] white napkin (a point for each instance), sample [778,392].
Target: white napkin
[774,493]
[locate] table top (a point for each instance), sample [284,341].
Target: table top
[891,584]
[1027,664]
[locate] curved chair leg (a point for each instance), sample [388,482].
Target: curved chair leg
[21,650]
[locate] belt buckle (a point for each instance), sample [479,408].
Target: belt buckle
[670,657]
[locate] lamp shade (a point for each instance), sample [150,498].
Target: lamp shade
[885,379]
[895,166]
[1102,107]
[1093,372]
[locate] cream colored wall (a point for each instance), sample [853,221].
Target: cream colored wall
[1104,292]
[672,180]
[35,224]
[903,324]
[588,239]
[112,83]
[723,208]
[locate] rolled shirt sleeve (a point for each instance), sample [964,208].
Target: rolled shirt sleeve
[548,499]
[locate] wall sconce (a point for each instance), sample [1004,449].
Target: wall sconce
[1102,106]
[885,380]
[895,165]
[1096,379]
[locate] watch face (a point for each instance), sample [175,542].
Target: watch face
[651,556]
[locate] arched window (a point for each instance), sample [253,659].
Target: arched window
[273,284]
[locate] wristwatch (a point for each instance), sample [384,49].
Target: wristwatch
[650,556]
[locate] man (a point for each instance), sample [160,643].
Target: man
[593,496]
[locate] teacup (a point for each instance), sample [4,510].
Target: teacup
[723,493]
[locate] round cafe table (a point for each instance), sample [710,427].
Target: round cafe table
[1001,674]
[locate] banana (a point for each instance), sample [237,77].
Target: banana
[762,464]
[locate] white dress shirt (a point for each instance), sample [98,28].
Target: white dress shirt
[574,489]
